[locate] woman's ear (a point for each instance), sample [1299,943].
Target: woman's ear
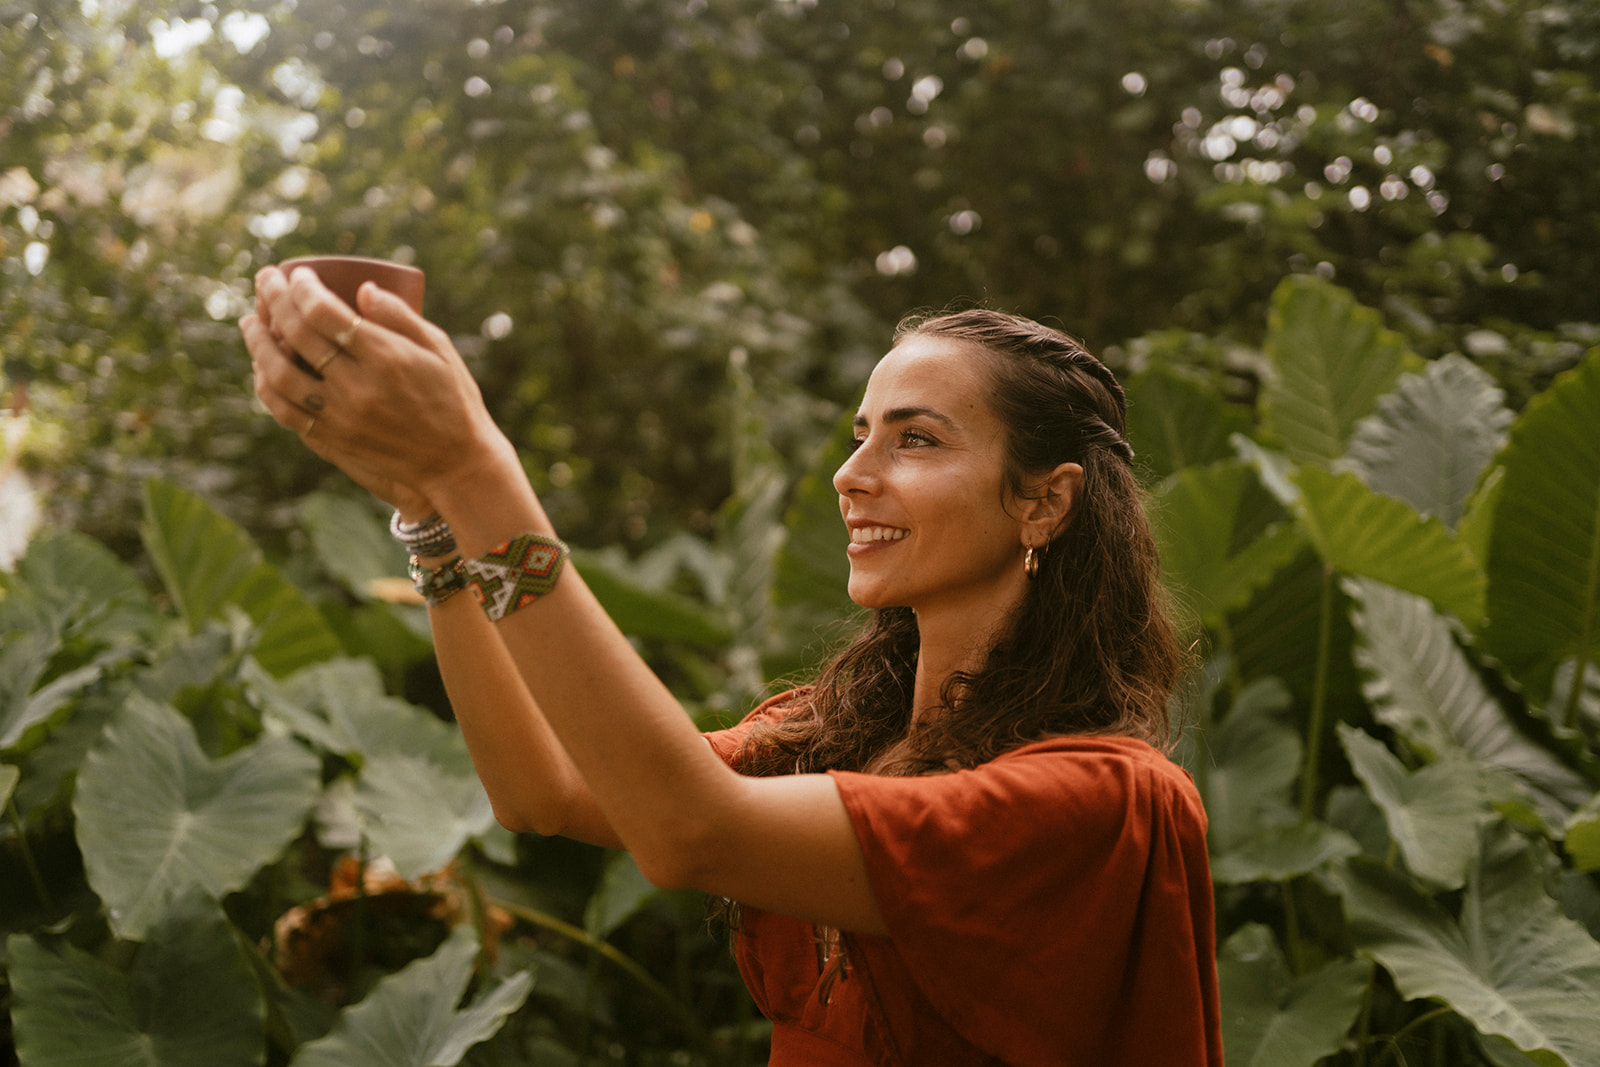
[1048,509]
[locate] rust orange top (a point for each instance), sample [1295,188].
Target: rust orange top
[1052,906]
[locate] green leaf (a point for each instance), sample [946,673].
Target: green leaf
[622,891]
[91,594]
[1582,840]
[811,580]
[155,816]
[417,813]
[1176,420]
[410,1018]
[1477,523]
[1421,684]
[417,798]
[1430,439]
[1333,360]
[1513,965]
[1251,761]
[648,613]
[189,998]
[1544,550]
[341,705]
[1357,531]
[209,563]
[1433,814]
[1271,1018]
[23,660]
[9,777]
[351,543]
[1283,852]
[1221,537]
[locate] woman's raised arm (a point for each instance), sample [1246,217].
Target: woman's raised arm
[397,403]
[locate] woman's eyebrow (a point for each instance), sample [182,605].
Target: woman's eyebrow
[894,415]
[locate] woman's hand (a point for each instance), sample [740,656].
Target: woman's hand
[383,395]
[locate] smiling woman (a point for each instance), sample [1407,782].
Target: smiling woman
[962,844]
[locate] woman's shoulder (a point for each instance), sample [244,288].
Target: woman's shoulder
[1040,788]
[1093,749]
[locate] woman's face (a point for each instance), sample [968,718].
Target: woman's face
[924,494]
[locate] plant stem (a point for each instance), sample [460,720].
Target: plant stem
[27,858]
[1364,1030]
[1291,928]
[1586,635]
[691,1025]
[1393,1040]
[1319,700]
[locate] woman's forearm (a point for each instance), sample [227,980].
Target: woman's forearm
[531,782]
[628,740]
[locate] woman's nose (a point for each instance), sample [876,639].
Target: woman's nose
[853,474]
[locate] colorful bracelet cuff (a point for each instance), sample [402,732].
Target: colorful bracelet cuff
[516,573]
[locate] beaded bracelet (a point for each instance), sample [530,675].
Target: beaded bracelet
[438,584]
[430,537]
[516,573]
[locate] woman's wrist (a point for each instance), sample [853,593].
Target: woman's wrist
[489,501]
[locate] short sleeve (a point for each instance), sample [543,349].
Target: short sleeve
[1051,905]
[725,743]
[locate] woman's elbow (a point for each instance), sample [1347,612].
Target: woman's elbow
[683,858]
[518,820]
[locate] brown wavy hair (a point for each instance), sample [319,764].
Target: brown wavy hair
[1092,649]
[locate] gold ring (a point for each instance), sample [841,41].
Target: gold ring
[347,338]
[307,431]
[331,357]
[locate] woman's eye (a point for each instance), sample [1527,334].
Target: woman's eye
[915,438]
[856,442]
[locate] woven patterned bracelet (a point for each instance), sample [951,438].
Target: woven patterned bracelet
[438,584]
[430,537]
[516,573]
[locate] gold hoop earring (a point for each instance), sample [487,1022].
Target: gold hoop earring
[1030,562]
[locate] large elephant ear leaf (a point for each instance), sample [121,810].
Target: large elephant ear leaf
[208,563]
[188,999]
[156,817]
[1249,765]
[418,813]
[1431,438]
[1222,537]
[1420,683]
[1544,549]
[1514,966]
[1271,1018]
[411,1019]
[1433,814]
[1175,420]
[1360,532]
[1332,360]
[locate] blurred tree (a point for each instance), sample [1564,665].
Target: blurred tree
[615,199]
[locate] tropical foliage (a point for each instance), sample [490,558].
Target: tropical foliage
[239,826]
[215,791]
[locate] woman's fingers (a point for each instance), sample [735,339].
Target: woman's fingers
[277,382]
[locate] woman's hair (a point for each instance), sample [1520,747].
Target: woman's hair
[1091,649]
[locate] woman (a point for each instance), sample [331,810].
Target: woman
[960,846]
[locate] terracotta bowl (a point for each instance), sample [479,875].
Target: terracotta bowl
[344,275]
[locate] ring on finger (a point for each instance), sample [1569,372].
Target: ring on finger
[311,426]
[347,337]
[320,367]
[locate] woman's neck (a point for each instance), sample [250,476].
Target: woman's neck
[944,650]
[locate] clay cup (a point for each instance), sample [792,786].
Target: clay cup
[344,275]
